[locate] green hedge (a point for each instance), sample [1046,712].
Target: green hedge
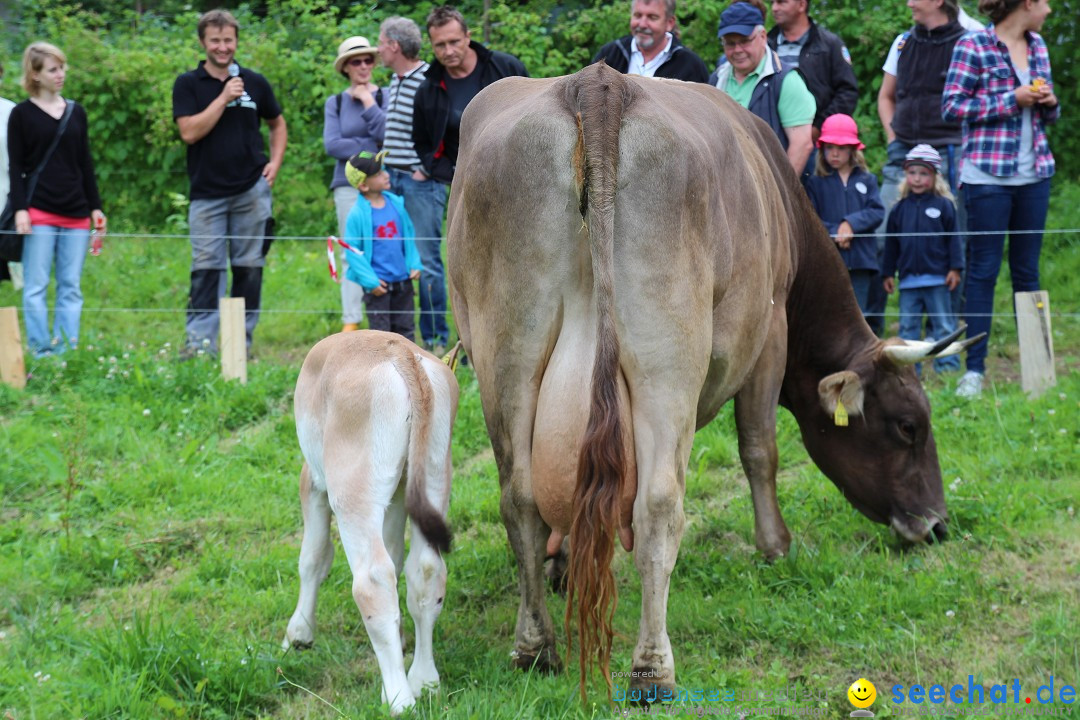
[123,66]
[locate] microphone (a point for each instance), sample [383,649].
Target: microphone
[234,71]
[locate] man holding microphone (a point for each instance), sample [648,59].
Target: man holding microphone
[218,107]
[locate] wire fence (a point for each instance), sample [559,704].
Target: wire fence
[268,302]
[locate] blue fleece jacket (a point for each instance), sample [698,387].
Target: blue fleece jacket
[360,233]
[929,252]
[859,203]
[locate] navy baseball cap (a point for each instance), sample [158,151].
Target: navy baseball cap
[740,19]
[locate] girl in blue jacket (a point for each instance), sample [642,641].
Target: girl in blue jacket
[845,195]
[921,243]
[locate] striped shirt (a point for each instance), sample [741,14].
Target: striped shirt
[399,119]
[980,91]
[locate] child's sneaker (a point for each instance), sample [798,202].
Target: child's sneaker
[970,385]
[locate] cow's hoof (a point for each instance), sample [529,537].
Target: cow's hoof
[645,691]
[546,661]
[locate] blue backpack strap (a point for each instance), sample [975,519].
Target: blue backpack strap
[903,41]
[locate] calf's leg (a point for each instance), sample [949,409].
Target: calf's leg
[316,557]
[375,592]
[425,577]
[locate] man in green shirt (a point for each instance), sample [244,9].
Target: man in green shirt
[754,77]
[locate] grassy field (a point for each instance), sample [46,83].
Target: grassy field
[149,535]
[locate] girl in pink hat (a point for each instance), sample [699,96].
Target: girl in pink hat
[845,195]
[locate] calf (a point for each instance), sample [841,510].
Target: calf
[374,414]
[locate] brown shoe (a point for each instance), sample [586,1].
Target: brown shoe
[349,327]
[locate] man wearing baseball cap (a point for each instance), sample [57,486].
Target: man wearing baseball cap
[755,78]
[384,260]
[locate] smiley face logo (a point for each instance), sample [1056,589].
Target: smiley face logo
[862,693]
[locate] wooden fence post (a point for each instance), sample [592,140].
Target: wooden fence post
[12,367]
[1036,342]
[233,341]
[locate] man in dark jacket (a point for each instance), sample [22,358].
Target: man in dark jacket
[461,69]
[821,57]
[651,49]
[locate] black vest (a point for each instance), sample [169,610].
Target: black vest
[920,80]
[766,98]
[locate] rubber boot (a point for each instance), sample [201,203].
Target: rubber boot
[202,309]
[247,283]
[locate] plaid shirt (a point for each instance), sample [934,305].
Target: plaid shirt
[980,90]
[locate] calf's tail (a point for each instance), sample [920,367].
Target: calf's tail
[424,515]
[598,97]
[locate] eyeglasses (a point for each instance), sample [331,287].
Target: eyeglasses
[362,60]
[745,42]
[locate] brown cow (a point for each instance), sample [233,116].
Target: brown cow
[626,255]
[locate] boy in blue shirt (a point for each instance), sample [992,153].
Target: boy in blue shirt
[384,260]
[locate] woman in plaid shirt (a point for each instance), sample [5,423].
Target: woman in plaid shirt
[999,86]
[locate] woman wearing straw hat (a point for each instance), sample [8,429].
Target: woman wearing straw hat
[355,120]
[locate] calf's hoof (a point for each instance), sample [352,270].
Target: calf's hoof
[299,635]
[545,661]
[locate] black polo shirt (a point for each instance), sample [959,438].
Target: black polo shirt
[230,159]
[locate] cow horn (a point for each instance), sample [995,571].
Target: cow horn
[913,351]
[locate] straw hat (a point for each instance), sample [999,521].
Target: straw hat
[351,47]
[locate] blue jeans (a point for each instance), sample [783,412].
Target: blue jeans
[860,283]
[996,209]
[352,295]
[934,302]
[224,231]
[44,245]
[426,204]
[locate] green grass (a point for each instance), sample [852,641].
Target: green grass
[149,535]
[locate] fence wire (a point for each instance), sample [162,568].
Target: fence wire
[322,239]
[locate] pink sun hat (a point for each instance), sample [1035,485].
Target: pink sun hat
[839,129]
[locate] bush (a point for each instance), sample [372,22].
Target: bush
[123,66]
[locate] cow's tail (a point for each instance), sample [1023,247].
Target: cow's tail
[598,96]
[424,515]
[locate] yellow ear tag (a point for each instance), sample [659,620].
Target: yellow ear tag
[840,416]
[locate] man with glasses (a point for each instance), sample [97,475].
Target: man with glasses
[652,49]
[755,78]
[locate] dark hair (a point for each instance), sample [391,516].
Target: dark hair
[405,33]
[951,9]
[998,10]
[218,19]
[444,14]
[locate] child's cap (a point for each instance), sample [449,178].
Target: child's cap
[363,165]
[840,129]
[924,155]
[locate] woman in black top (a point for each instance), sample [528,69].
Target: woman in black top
[64,201]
